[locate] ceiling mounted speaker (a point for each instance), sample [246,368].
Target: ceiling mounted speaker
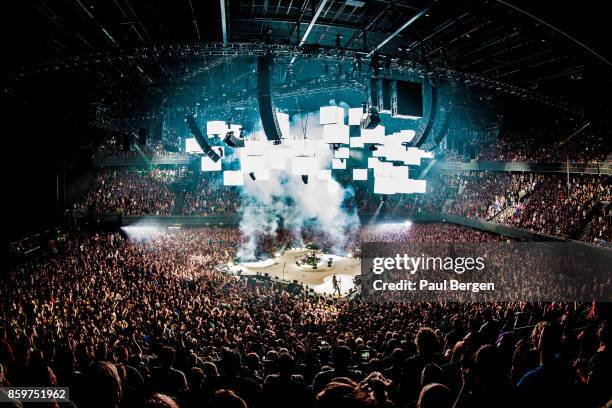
[264,100]
[195,131]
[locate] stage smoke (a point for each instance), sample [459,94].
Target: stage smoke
[285,201]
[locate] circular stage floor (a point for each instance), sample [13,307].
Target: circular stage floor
[284,267]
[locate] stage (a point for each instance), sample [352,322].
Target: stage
[298,264]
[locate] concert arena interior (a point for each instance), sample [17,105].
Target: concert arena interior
[306,204]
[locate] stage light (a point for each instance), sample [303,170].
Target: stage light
[376,135]
[207,164]
[252,164]
[354,116]
[360,174]
[356,142]
[231,140]
[342,153]
[233,178]
[216,128]
[304,165]
[306,147]
[255,147]
[336,133]
[191,146]
[252,175]
[370,119]
[338,164]
[305,178]
[331,115]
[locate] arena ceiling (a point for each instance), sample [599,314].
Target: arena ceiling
[139,49]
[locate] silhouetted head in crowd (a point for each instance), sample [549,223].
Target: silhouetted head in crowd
[230,362]
[344,392]
[397,357]
[549,343]
[285,364]
[83,355]
[166,357]
[603,334]
[435,395]
[458,351]
[3,381]
[342,358]
[253,362]
[195,378]
[375,364]
[160,401]
[6,353]
[121,354]
[488,366]
[431,373]
[226,399]
[102,386]
[210,369]
[427,343]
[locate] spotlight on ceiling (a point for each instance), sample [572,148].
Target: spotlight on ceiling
[232,141]
[305,178]
[252,175]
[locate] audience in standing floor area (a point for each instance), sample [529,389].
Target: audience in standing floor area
[152,323]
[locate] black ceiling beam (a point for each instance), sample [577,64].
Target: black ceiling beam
[408,23]
[368,26]
[285,20]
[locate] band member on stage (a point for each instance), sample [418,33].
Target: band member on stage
[336,284]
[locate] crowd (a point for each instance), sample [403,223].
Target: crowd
[211,197]
[600,230]
[113,149]
[541,203]
[546,145]
[403,233]
[559,209]
[538,202]
[128,192]
[151,323]
[483,195]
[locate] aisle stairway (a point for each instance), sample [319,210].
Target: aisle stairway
[510,208]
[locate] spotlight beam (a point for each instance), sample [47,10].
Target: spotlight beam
[223,21]
[313,21]
[310,26]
